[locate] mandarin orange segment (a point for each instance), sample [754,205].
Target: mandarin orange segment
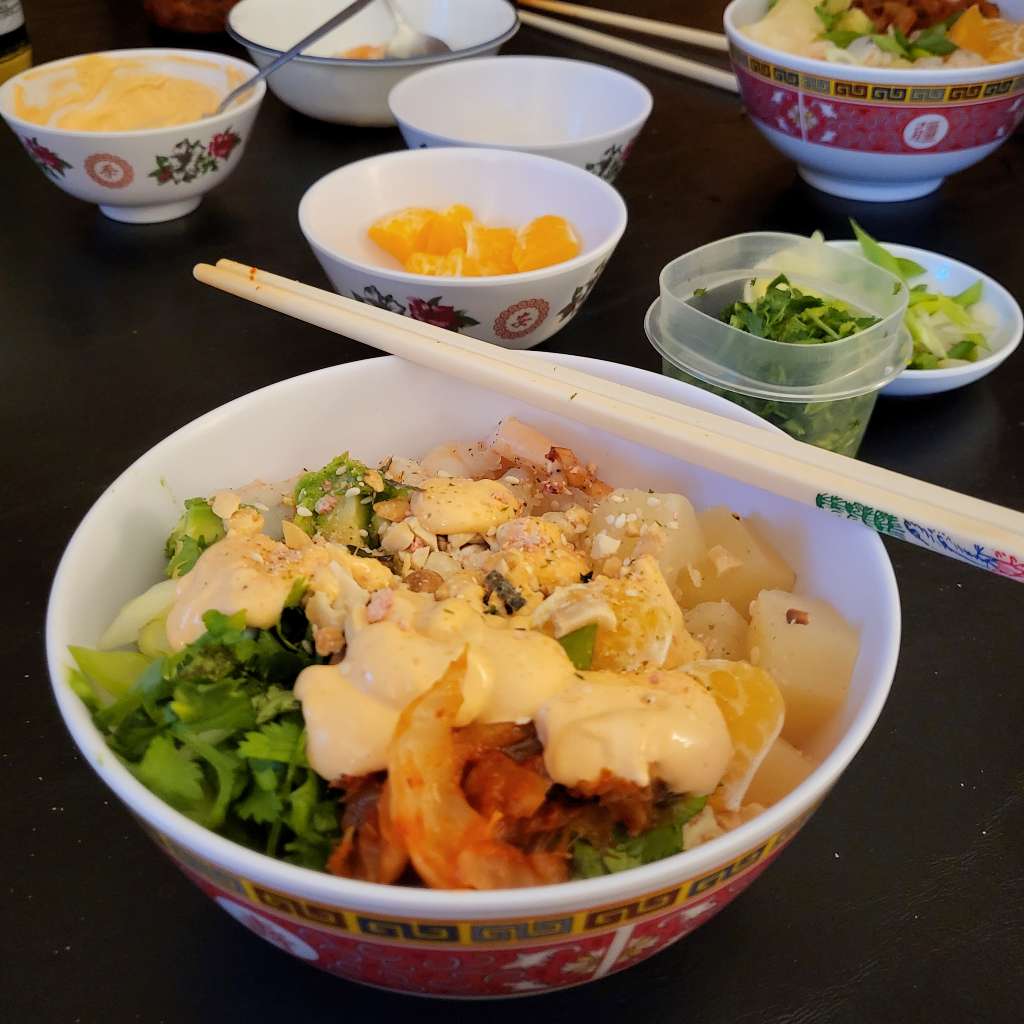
[427,263]
[995,39]
[754,711]
[443,233]
[399,233]
[491,248]
[1006,40]
[460,212]
[970,31]
[365,52]
[543,242]
[452,243]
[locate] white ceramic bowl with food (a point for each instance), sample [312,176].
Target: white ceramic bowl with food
[586,114]
[147,175]
[503,189]
[456,943]
[997,305]
[323,84]
[874,133]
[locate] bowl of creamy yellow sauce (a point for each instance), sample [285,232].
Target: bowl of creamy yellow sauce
[134,130]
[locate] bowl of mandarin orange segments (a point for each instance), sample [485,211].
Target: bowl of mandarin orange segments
[498,245]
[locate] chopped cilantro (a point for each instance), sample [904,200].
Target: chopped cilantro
[216,731]
[625,851]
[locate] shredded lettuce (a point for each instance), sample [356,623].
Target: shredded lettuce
[943,330]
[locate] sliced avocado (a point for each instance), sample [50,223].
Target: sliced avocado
[198,528]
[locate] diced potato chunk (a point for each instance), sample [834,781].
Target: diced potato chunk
[736,566]
[810,650]
[782,770]
[632,523]
[720,628]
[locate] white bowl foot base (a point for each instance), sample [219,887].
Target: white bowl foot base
[151,214]
[869,191]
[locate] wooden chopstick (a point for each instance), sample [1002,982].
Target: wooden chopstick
[634,51]
[630,22]
[977,532]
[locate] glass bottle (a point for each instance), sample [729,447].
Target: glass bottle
[15,48]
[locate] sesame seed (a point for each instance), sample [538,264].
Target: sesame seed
[260,507]
[617,498]
[351,492]
[301,510]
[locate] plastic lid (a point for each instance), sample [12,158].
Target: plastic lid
[713,276]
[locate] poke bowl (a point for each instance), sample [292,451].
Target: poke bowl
[325,84]
[486,943]
[878,134]
[585,114]
[146,175]
[515,310]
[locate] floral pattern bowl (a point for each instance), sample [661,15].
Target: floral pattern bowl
[870,133]
[457,944]
[503,188]
[152,175]
[585,114]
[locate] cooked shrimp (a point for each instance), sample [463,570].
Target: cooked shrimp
[517,442]
[450,844]
[470,460]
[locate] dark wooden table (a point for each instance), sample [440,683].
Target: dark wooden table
[900,901]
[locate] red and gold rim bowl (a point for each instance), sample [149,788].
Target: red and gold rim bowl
[874,134]
[438,943]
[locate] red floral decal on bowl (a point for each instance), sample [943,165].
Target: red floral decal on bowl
[109,171]
[190,159]
[521,319]
[430,311]
[47,160]
[579,296]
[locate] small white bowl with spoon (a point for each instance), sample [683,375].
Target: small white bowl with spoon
[324,83]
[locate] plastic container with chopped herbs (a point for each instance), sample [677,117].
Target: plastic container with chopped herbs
[799,333]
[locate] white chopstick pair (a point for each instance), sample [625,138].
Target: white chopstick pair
[973,531]
[634,51]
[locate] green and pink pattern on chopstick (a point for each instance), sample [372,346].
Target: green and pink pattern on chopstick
[999,562]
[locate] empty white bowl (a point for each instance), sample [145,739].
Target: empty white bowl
[504,189]
[951,277]
[324,85]
[150,175]
[584,114]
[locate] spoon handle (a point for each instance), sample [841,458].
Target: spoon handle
[342,16]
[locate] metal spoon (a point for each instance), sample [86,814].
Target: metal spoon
[408,42]
[342,16]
